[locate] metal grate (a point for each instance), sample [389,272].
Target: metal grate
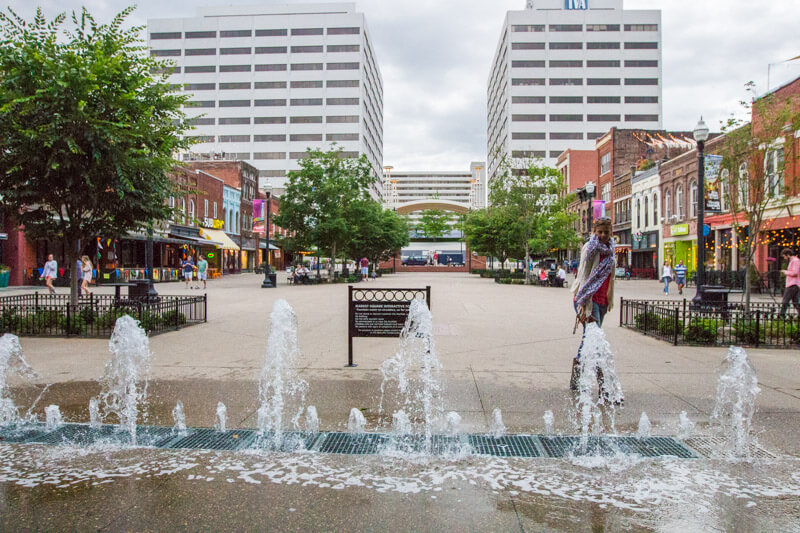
[212,439]
[505,446]
[717,447]
[17,435]
[353,443]
[655,447]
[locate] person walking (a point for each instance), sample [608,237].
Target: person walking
[202,272]
[594,285]
[666,276]
[680,276]
[364,268]
[188,269]
[86,271]
[49,273]
[792,273]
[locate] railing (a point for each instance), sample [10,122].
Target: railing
[32,275]
[766,282]
[679,322]
[52,315]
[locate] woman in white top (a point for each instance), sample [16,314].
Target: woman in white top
[86,268]
[49,273]
[666,276]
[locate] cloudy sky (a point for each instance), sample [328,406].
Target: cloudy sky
[435,57]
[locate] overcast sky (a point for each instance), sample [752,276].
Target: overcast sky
[435,57]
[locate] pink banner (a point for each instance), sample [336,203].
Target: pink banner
[258,217]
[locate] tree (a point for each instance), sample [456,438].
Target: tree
[319,198]
[490,232]
[88,132]
[434,223]
[375,233]
[752,171]
[536,208]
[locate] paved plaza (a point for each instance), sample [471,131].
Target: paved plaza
[501,346]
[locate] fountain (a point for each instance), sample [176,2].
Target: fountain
[53,418]
[737,389]
[411,377]
[401,425]
[356,422]
[222,417]
[643,432]
[496,426]
[685,426]
[281,391]
[94,414]
[312,420]
[11,359]
[452,422]
[124,382]
[549,422]
[179,417]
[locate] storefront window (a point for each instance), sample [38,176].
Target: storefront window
[693,195]
[655,209]
[679,202]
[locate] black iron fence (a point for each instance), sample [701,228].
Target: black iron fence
[94,316]
[678,322]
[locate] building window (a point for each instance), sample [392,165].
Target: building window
[655,209]
[566,81]
[641,99]
[641,81]
[199,69]
[519,135]
[201,35]
[306,84]
[602,27]
[773,164]
[605,163]
[306,66]
[602,118]
[605,193]
[306,137]
[270,49]
[602,63]
[166,35]
[165,53]
[215,209]
[344,31]
[271,67]
[235,33]
[305,120]
[527,99]
[200,122]
[602,81]
[343,66]
[566,118]
[277,102]
[560,136]
[566,46]
[234,103]
[679,202]
[191,209]
[269,138]
[641,27]
[233,120]
[307,49]
[234,138]
[527,28]
[693,199]
[641,46]
[528,64]
[602,99]
[269,120]
[562,63]
[517,82]
[341,137]
[668,205]
[305,101]
[269,155]
[744,186]
[602,46]
[200,52]
[334,48]
[641,63]
[527,46]
[527,118]
[234,86]
[566,27]
[205,208]
[724,189]
[270,33]
[342,83]
[641,118]
[269,85]
[306,31]
[234,68]
[200,86]
[341,119]
[565,99]
[341,101]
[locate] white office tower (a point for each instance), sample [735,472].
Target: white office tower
[565,72]
[268,81]
[464,189]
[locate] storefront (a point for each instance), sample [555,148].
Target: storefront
[681,246]
[229,250]
[247,256]
[645,255]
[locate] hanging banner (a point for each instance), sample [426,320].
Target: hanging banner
[598,209]
[258,217]
[712,196]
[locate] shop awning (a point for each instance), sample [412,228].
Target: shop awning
[220,237]
[262,245]
[157,237]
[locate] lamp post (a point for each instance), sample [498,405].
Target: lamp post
[148,262]
[267,283]
[586,194]
[700,134]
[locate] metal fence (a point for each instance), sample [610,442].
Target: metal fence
[52,315]
[679,322]
[765,282]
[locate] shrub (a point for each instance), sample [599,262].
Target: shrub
[701,331]
[9,321]
[787,328]
[173,319]
[667,325]
[75,325]
[748,331]
[109,319]
[650,318]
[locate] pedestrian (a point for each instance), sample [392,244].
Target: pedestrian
[188,269]
[202,272]
[561,276]
[86,270]
[594,285]
[792,273]
[680,276]
[542,277]
[364,268]
[666,276]
[435,259]
[49,273]
[79,268]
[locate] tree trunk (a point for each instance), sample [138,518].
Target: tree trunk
[72,261]
[527,265]
[332,264]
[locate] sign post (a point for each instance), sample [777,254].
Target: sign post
[379,312]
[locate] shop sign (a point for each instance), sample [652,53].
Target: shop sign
[212,223]
[713,188]
[277,254]
[679,229]
[576,4]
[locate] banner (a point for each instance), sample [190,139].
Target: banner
[598,209]
[712,196]
[258,217]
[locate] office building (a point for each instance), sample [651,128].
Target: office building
[268,81]
[567,71]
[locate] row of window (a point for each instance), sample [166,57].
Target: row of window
[580,118]
[212,34]
[578,63]
[527,82]
[331,119]
[274,102]
[330,137]
[246,50]
[603,45]
[539,28]
[580,99]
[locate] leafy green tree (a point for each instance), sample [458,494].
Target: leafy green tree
[752,174]
[535,206]
[88,132]
[434,223]
[319,199]
[490,232]
[375,233]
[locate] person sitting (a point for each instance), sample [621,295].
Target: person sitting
[543,277]
[301,274]
[561,277]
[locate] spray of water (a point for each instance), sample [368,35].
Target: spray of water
[644,427]
[124,383]
[401,425]
[549,422]
[179,418]
[222,417]
[496,426]
[53,418]
[94,414]
[685,426]
[312,419]
[737,389]
[281,391]
[452,423]
[411,378]
[356,422]
[13,361]
[597,371]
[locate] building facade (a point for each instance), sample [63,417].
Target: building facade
[267,82]
[566,72]
[646,224]
[466,188]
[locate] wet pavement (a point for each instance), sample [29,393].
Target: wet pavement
[499,347]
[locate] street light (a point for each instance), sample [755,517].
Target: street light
[700,135]
[267,283]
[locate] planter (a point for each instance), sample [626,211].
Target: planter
[4,278]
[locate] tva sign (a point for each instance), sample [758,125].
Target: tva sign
[576,4]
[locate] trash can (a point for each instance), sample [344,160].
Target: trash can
[140,290]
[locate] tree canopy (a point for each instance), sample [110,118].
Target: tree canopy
[434,223]
[88,131]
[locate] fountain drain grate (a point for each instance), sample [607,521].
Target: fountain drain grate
[717,447]
[546,446]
